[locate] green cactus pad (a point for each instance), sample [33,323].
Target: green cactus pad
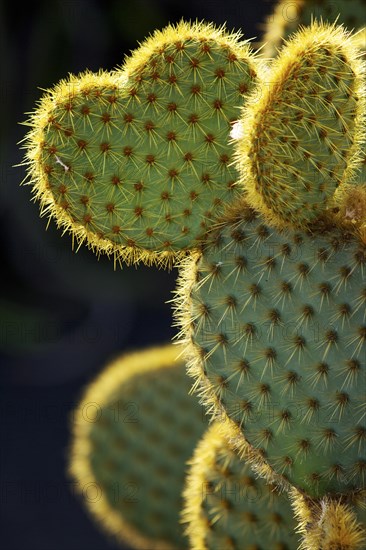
[228,507]
[137,162]
[302,136]
[276,326]
[132,433]
[288,16]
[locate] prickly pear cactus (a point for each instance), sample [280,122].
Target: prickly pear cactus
[228,507]
[133,431]
[137,162]
[271,300]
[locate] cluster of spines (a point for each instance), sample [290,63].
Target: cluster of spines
[132,433]
[350,209]
[136,162]
[302,140]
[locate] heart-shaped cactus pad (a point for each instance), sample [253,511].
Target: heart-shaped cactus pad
[138,161]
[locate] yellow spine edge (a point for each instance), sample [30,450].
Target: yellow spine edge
[183,31]
[202,461]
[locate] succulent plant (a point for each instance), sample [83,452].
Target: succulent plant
[277,331]
[270,232]
[288,17]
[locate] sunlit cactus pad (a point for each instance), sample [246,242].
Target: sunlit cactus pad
[277,327]
[228,507]
[137,161]
[303,137]
[133,431]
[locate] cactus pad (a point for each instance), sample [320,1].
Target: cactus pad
[302,138]
[227,507]
[132,434]
[277,329]
[136,162]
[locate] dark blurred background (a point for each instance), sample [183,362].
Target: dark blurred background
[64,315]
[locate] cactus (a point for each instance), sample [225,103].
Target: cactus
[303,137]
[287,18]
[271,296]
[133,430]
[227,507]
[136,162]
[288,15]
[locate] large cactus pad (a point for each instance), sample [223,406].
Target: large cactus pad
[277,328]
[137,161]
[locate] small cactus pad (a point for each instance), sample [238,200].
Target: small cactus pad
[289,15]
[228,507]
[276,324]
[303,135]
[132,433]
[137,162]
